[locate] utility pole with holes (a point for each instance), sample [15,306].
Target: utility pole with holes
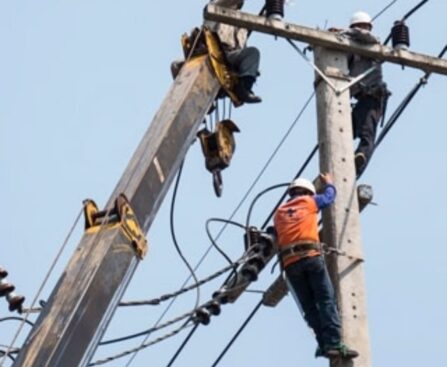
[341,222]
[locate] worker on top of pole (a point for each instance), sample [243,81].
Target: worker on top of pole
[299,248]
[243,59]
[370,93]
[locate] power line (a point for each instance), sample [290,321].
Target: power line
[233,339]
[406,16]
[406,101]
[16,318]
[284,138]
[179,350]
[44,282]
[388,126]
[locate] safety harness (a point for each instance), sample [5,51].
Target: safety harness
[299,248]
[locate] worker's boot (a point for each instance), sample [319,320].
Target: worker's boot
[244,92]
[340,351]
[319,352]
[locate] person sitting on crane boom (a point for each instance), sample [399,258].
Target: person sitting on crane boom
[299,248]
[243,59]
[370,92]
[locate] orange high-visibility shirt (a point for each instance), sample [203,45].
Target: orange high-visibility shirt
[297,221]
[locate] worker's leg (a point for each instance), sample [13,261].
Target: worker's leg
[299,286]
[245,62]
[365,117]
[325,299]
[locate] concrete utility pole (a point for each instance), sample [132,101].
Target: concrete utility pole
[341,222]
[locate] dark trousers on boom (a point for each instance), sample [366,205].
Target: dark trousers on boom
[366,115]
[310,283]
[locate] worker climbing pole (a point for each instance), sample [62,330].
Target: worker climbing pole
[80,307]
[341,224]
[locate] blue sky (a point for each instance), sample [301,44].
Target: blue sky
[79,83]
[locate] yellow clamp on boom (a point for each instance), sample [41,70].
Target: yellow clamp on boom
[122,215]
[227,78]
[202,41]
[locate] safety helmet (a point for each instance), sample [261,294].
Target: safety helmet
[302,183]
[360,17]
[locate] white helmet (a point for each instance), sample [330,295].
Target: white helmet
[360,17]
[302,183]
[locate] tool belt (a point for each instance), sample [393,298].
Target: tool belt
[377,91]
[300,249]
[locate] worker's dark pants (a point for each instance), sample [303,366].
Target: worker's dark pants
[310,282]
[365,117]
[245,62]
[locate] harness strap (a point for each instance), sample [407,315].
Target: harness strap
[298,248]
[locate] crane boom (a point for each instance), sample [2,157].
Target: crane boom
[81,305]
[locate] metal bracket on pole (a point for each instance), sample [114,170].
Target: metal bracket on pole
[324,76]
[356,80]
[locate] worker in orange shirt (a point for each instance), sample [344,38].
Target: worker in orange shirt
[296,225]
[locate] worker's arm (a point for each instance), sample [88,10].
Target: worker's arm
[361,35]
[327,197]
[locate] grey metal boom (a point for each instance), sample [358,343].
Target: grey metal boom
[325,39]
[71,324]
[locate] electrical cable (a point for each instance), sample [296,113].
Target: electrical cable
[179,350]
[7,354]
[233,339]
[168,296]
[387,127]
[394,117]
[298,174]
[148,332]
[192,271]
[383,10]
[385,131]
[16,318]
[213,242]
[265,167]
[170,322]
[239,205]
[174,238]
[259,195]
[406,16]
[142,346]
[44,282]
